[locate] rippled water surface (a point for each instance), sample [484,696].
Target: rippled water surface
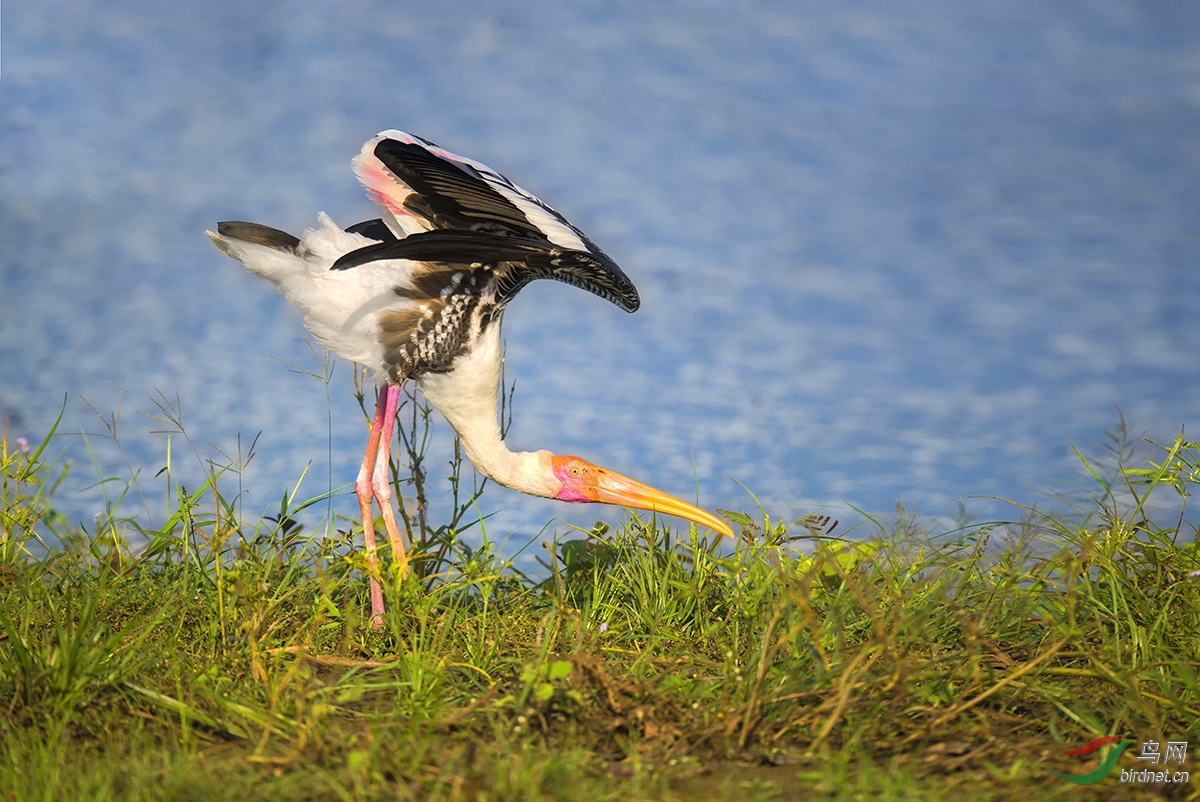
[886,250]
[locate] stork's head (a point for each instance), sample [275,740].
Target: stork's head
[583,482]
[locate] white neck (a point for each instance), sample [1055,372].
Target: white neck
[467,396]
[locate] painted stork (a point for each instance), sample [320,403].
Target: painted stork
[418,294]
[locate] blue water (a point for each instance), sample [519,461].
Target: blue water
[886,250]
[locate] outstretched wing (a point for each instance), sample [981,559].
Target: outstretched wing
[518,261]
[448,209]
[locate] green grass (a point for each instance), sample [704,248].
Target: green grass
[231,659]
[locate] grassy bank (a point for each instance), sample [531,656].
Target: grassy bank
[232,659]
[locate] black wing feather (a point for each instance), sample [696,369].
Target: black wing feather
[533,259]
[373,229]
[460,247]
[477,224]
[451,195]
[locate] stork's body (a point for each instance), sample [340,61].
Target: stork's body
[419,293]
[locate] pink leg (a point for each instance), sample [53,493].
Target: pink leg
[363,489]
[381,485]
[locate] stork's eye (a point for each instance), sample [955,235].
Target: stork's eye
[574,470]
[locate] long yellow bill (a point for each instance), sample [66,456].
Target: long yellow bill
[613,488]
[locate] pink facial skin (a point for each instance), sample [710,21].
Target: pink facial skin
[577,477]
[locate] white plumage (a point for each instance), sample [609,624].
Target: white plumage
[341,308]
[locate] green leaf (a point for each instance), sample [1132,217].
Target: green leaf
[559,669]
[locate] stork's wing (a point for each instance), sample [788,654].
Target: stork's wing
[425,188]
[459,247]
[522,260]
[450,209]
[455,194]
